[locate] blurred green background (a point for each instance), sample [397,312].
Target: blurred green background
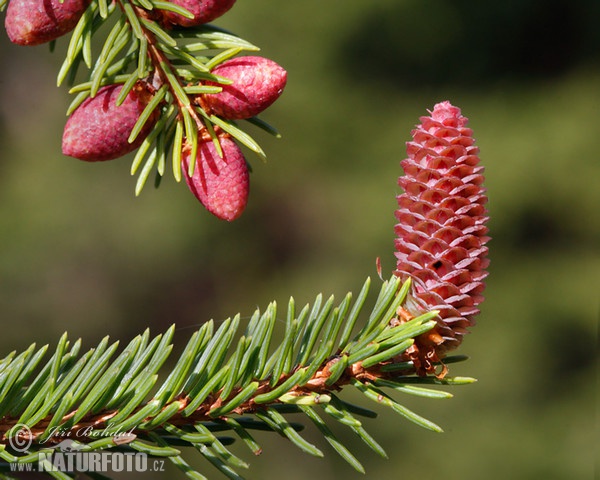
[80,253]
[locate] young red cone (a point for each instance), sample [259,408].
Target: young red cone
[33,22]
[221,184]
[257,83]
[441,234]
[204,11]
[98,129]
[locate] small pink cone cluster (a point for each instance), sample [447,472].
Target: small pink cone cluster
[98,129]
[220,183]
[257,83]
[441,232]
[33,22]
[204,11]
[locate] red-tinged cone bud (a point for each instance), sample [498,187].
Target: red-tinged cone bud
[221,184]
[441,234]
[33,22]
[99,129]
[204,11]
[257,83]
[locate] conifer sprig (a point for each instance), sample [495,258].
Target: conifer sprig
[163,61]
[222,382]
[173,64]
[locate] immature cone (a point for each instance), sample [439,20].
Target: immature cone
[220,183]
[257,83]
[33,22]
[204,11]
[99,129]
[441,234]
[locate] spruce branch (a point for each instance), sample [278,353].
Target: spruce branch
[225,380]
[179,82]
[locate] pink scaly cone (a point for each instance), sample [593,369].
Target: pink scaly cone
[204,11]
[441,231]
[257,83]
[221,184]
[33,22]
[98,129]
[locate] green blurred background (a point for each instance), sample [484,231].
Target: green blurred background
[80,253]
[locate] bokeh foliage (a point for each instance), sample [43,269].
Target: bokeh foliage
[81,253]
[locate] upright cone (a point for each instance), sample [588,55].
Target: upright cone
[441,231]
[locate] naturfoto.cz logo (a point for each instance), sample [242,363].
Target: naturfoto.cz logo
[71,456]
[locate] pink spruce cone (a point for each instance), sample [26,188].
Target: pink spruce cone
[204,11]
[441,234]
[221,184]
[257,83]
[98,129]
[33,22]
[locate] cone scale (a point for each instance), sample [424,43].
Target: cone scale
[441,232]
